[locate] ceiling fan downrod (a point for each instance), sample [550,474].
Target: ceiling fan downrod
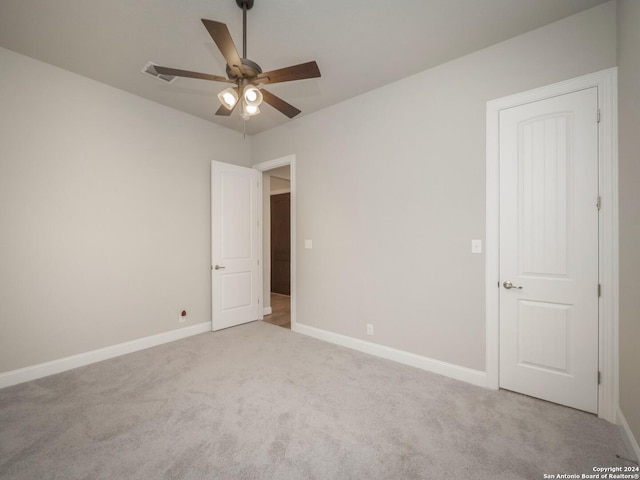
[244,5]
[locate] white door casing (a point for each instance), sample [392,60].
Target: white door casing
[236,276]
[549,249]
[289,160]
[606,83]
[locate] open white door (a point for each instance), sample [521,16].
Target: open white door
[235,241]
[549,249]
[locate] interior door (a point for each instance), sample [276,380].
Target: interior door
[235,241]
[549,249]
[281,243]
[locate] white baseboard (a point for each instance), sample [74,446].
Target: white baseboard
[267,311]
[629,438]
[40,370]
[457,372]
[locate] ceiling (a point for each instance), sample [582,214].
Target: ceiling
[359,45]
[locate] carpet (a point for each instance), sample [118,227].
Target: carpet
[261,402]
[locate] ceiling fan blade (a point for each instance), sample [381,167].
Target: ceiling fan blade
[295,72]
[224,111]
[185,73]
[279,104]
[221,36]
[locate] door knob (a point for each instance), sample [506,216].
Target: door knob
[509,286]
[218,267]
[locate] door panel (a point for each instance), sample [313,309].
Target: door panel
[549,248]
[542,335]
[281,243]
[236,282]
[544,197]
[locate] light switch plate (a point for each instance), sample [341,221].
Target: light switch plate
[476,246]
[308,244]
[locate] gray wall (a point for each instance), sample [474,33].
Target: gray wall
[104,213]
[629,158]
[391,189]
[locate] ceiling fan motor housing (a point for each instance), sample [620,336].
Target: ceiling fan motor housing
[251,69]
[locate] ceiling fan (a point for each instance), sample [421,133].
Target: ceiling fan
[245,74]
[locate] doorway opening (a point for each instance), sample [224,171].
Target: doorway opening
[278,241]
[277,222]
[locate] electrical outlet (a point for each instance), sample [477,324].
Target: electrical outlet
[369,329]
[183,317]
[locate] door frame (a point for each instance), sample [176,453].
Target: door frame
[606,82]
[289,160]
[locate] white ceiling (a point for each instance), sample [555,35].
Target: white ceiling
[359,45]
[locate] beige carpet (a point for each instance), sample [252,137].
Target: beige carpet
[262,402]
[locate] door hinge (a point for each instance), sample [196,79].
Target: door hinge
[599,202]
[599,290]
[599,377]
[598,115]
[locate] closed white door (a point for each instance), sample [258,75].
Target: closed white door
[549,249]
[235,242]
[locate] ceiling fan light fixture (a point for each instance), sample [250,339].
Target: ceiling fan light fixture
[252,95]
[249,110]
[228,98]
